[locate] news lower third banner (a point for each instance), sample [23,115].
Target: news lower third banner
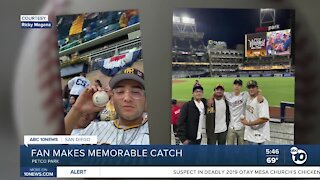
[169,161]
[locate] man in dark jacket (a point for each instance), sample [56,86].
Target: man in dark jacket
[217,118]
[192,118]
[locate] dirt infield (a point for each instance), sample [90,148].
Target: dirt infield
[274,112]
[175,81]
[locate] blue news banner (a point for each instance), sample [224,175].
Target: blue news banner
[42,160]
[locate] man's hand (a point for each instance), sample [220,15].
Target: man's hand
[210,101]
[260,97]
[84,103]
[245,122]
[186,142]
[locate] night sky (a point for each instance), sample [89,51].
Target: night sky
[230,25]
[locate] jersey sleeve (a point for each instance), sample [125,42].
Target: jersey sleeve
[76,132]
[88,83]
[264,109]
[227,95]
[89,130]
[245,96]
[71,82]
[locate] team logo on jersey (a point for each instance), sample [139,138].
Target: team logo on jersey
[210,110]
[250,109]
[236,103]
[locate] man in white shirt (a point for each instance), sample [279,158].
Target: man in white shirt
[192,118]
[237,102]
[256,121]
[217,118]
[131,127]
[78,84]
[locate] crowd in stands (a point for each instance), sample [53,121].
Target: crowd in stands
[188,45]
[189,58]
[76,29]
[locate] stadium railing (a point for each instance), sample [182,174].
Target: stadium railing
[283,106]
[100,40]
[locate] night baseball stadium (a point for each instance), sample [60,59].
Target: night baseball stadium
[217,46]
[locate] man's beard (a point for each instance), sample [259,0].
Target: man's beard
[218,96]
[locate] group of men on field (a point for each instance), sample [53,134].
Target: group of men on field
[228,117]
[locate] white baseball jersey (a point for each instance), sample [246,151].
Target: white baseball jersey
[108,132]
[237,108]
[77,85]
[254,110]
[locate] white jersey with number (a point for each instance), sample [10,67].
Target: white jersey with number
[254,110]
[77,85]
[108,132]
[237,108]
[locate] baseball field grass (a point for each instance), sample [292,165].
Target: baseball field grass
[275,89]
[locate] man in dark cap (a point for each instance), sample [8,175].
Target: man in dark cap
[130,103]
[217,118]
[256,120]
[237,101]
[192,118]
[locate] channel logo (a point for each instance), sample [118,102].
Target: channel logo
[299,156]
[35,21]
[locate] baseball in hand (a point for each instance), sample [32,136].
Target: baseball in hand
[100,98]
[242,117]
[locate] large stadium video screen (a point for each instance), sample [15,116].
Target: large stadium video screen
[268,43]
[279,42]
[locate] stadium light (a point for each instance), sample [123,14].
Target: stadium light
[266,9]
[176,19]
[188,20]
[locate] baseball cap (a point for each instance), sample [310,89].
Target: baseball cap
[127,74]
[237,81]
[197,87]
[219,86]
[252,83]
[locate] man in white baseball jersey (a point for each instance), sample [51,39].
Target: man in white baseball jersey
[130,103]
[256,121]
[78,84]
[236,101]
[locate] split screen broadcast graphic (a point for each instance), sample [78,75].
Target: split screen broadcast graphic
[232,102]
